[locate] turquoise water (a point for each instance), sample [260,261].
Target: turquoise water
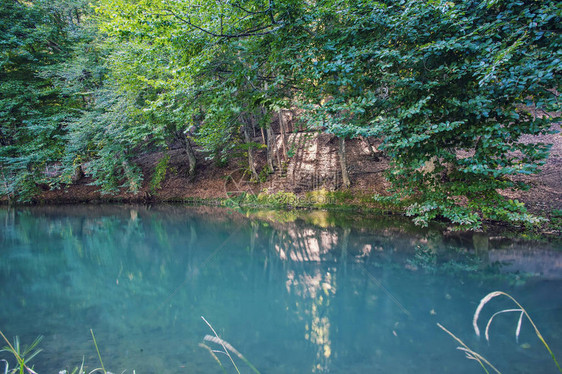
[307,292]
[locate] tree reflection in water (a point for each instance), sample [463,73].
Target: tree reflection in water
[293,291]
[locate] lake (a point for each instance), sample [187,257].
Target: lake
[294,292]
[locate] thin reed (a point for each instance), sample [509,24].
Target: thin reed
[99,355]
[22,356]
[520,310]
[470,354]
[25,355]
[226,349]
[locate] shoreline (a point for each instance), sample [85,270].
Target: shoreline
[548,231]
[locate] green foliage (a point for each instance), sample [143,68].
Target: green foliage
[556,219]
[204,87]
[159,173]
[33,111]
[279,199]
[461,76]
[264,174]
[112,169]
[449,87]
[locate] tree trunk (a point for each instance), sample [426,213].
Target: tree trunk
[263,136]
[270,148]
[186,144]
[283,135]
[190,157]
[343,163]
[249,123]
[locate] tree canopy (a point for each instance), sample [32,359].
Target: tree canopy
[449,87]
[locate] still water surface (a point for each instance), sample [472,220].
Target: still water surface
[304,292]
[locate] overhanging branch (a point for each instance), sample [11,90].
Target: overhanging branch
[256,31]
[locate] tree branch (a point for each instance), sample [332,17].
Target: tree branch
[251,32]
[270,10]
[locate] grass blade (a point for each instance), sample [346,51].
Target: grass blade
[227,345]
[470,353]
[213,355]
[225,349]
[518,329]
[489,297]
[7,366]
[97,349]
[486,333]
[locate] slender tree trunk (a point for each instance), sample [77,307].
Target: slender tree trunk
[263,136]
[343,163]
[270,148]
[283,131]
[267,137]
[186,143]
[190,158]
[273,151]
[249,123]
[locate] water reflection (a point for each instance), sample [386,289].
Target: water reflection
[310,292]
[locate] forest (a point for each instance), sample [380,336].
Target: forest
[89,86]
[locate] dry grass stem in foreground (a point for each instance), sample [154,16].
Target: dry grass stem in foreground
[226,348]
[470,354]
[520,309]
